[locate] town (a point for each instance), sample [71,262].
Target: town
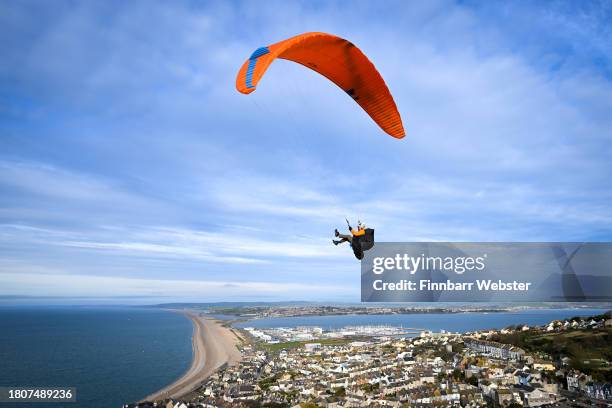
[259,311]
[286,334]
[381,366]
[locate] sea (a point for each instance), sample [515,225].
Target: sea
[112,355]
[452,322]
[117,355]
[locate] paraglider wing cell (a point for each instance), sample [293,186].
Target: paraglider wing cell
[338,60]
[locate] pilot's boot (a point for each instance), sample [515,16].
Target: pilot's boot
[336,233]
[336,242]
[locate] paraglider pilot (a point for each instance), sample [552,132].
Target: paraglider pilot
[354,233]
[361,239]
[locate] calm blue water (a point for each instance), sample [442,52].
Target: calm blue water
[455,322]
[111,355]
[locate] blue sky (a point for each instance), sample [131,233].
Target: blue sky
[131,169]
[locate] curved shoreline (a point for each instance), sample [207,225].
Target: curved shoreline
[213,346]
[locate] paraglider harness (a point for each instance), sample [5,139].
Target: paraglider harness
[361,243]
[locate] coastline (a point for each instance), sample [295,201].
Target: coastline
[213,346]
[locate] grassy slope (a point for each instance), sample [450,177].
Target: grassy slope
[590,351]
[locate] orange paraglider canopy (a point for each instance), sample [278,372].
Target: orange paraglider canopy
[338,60]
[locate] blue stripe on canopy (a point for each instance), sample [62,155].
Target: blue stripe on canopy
[259,52]
[249,73]
[252,62]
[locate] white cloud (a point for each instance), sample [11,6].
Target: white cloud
[237,245]
[52,182]
[33,284]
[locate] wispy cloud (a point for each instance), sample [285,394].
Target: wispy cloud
[96,286]
[47,181]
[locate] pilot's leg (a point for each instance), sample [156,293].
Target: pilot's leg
[346,237]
